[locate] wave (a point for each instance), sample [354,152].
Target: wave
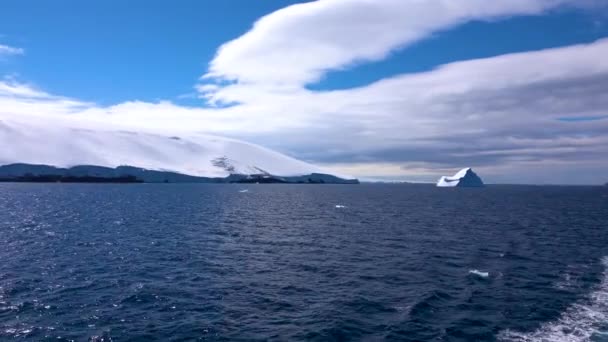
[580,322]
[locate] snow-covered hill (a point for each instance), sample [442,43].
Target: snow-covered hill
[193,154]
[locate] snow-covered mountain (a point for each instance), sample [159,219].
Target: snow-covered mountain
[192,154]
[463,178]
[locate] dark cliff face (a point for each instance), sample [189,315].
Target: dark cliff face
[29,178]
[130,174]
[313,178]
[259,180]
[470,180]
[320,178]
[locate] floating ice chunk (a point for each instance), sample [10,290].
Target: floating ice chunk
[480,273]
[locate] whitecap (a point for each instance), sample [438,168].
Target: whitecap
[18,331]
[479,273]
[244,190]
[340,206]
[571,278]
[580,322]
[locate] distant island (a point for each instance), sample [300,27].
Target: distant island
[64,154]
[33,173]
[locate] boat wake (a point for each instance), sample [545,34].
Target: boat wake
[583,321]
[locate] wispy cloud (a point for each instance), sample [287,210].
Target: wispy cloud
[297,45]
[6,50]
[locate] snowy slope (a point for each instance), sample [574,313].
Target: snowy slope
[192,154]
[463,178]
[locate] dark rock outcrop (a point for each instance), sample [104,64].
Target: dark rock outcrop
[130,174]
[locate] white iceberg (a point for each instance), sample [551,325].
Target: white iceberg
[464,178]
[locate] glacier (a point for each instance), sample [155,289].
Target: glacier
[31,146]
[463,178]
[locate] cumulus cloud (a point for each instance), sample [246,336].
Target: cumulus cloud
[502,115]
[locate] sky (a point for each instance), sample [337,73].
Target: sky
[378,89]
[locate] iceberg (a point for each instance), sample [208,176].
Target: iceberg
[463,178]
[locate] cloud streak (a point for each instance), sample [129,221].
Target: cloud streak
[6,50]
[297,45]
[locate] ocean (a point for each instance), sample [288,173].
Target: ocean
[369,262]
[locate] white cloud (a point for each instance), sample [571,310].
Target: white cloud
[6,50]
[298,44]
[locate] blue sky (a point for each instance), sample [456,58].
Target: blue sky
[104,51]
[307,79]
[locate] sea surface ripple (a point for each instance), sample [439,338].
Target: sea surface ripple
[181,262]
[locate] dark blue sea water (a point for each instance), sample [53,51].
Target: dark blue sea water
[186,262]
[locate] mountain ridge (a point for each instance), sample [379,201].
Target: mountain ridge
[197,155]
[20,172]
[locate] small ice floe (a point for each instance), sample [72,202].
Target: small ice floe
[479,273]
[340,206]
[244,190]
